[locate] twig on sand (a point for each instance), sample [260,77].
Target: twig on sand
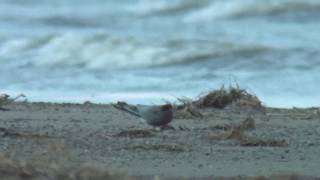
[4,132]
[221,98]
[188,106]
[6,100]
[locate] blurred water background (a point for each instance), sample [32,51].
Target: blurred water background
[144,51]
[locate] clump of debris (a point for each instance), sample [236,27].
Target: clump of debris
[221,98]
[225,96]
[5,99]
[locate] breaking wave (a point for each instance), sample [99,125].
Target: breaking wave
[102,51]
[202,10]
[165,7]
[248,8]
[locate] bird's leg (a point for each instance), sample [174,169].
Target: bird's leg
[167,127]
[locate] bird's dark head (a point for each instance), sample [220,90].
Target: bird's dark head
[166,107]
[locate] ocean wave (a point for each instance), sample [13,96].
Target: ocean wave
[162,7]
[80,14]
[245,8]
[57,20]
[103,51]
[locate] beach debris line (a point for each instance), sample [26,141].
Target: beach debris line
[264,142]
[5,132]
[154,115]
[221,98]
[135,133]
[233,131]
[237,132]
[247,124]
[10,168]
[158,147]
[189,106]
[6,100]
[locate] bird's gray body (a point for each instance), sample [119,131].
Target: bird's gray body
[153,115]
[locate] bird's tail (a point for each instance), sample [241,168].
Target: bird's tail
[127,108]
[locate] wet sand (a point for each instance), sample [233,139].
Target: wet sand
[276,142]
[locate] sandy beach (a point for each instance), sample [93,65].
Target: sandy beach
[239,77]
[40,139]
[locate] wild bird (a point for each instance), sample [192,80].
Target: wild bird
[156,116]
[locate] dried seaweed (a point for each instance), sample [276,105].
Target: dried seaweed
[135,133]
[6,100]
[234,97]
[247,124]
[4,132]
[264,142]
[158,147]
[223,97]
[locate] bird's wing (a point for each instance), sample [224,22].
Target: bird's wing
[127,108]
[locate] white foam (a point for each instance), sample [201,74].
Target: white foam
[234,8]
[109,52]
[102,51]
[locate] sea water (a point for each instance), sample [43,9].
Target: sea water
[143,51]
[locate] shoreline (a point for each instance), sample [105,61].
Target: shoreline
[278,142]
